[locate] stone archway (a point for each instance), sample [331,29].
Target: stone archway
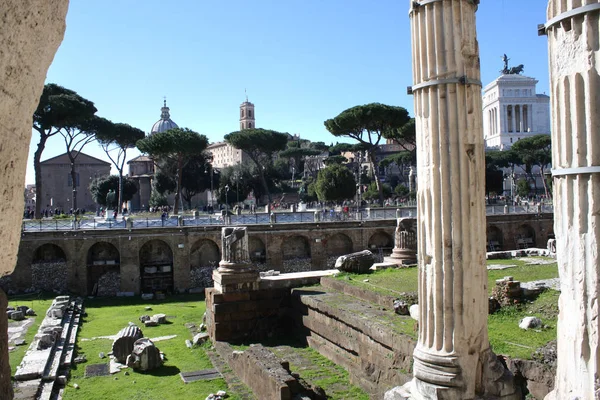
[495,240]
[49,270]
[156,267]
[381,244]
[204,257]
[337,245]
[525,237]
[257,250]
[295,252]
[103,270]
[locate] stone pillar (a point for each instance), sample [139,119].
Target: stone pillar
[574,86]
[521,123]
[405,244]
[235,272]
[452,359]
[513,119]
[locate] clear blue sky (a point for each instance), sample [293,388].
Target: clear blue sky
[301,62]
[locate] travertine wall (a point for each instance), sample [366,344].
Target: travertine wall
[30,34]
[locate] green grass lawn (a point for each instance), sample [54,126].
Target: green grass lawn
[107,317]
[393,281]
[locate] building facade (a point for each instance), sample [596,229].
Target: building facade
[58,185]
[512,110]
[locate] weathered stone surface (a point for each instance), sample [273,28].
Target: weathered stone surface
[145,356]
[200,338]
[159,318]
[17,316]
[452,360]
[404,302]
[262,371]
[530,323]
[123,344]
[359,262]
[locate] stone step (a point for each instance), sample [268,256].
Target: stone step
[369,340]
[370,296]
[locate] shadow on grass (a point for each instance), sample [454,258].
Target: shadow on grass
[137,300]
[165,370]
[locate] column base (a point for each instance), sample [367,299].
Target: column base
[402,257]
[438,377]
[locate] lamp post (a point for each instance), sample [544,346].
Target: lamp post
[237,186]
[293,173]
[210,169]
[226,199]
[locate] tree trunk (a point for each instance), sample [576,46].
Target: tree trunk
[375,168]
[6,390]
[179,179]
[37,156]
[120,197]
[544,181]
[73,180]
[264,182]
[120,169]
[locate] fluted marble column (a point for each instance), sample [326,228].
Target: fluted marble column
[574,56]
[452,359]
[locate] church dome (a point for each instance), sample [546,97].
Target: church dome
[165,122]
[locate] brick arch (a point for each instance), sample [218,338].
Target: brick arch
[49,271]
[257,249]
[103,269]
[49,252]
[338,244]
[525,236]
[204,253]
[495,238]
[296,246]
[381,242]
[156,266]
[296,254]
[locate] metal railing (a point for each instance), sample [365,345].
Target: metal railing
[334,215]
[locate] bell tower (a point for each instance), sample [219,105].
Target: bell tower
[247,115]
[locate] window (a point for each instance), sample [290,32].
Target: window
[249,113]
[242,113]
[250,125]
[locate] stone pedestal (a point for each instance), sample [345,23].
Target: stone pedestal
[235,272]
[237,282]
[574,84]
[452,360]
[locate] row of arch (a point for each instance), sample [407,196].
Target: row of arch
[156,260]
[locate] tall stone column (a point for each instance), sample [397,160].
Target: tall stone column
[521,122]
[452,359]
[513,119]
[574,57]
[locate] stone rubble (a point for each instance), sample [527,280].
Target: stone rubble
[50,276]
[530,323]
[109,284]
[359,262]
[145,356]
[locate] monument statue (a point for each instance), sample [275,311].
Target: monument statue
[505,59]
[111,198]
[513,70]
